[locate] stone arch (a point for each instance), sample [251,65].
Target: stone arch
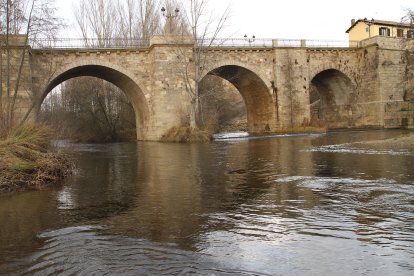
[254,69]
[315,70]
[116,75]
[256,94]
[333,99]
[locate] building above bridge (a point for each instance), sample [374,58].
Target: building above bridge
[366,28]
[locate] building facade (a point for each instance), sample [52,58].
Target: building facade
[366,28]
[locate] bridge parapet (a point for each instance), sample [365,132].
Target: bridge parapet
[387,42]
[89,43]
[13,40]
[277,43]
[77,43]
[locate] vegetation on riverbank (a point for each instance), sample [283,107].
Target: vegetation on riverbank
[187,134]
[27,161]
[302,129]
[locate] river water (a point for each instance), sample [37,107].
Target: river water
[287,205]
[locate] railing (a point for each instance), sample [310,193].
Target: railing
[75,43]
[235,42]
[331,44]
[273,43]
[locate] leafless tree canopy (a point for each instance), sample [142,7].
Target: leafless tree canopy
[122,20]
[408,18]
[204,28]
[35,17]
[107,22]
[95,110]
[31,20]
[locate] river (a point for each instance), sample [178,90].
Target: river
[285,205]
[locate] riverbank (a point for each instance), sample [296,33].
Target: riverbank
[27,160]
[187,134]
[403,142]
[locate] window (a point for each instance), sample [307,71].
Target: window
[367,29]
[410,34]
[384,31]
[400,33]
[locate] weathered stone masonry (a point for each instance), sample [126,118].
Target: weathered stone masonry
[369,86]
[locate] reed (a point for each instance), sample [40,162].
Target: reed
[27,160]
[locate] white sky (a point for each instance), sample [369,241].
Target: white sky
[294,19]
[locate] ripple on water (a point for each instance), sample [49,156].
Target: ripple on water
[226,208]
[373,211]
[84,250]
[347,148]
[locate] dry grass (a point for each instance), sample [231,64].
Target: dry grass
[236,126]
[302,129]
[187,134]
[26,160]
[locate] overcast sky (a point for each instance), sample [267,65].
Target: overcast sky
[294,19]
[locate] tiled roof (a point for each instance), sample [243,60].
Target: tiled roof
[382,23]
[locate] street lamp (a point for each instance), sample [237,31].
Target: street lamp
[369,23]
[169,18]
[250,40]
[169,15]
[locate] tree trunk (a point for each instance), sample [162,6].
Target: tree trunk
[195,101]
[194,112]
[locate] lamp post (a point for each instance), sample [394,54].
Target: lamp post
[250,40]
[369,23]
[169,19]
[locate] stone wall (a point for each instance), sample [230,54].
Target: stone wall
[396,81]
[11,81]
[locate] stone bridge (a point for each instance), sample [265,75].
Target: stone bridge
[283,87]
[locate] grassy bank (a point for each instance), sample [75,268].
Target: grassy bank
[27,161]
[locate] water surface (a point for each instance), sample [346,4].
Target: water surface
[288,205]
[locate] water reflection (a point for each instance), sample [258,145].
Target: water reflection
[236,207]
[22,217]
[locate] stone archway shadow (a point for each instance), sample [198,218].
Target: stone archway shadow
[116,76]
[333,99]
[259,101]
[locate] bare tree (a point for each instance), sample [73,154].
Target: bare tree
[139,19]
[124,20]
[204,29]
[96,19]
[408,18]
[222,106]
[30,20]
[102,105]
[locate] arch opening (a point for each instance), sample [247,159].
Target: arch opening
[258,101]
[332,100]
[222,108]
[124,83]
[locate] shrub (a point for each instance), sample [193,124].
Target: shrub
[186,134]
